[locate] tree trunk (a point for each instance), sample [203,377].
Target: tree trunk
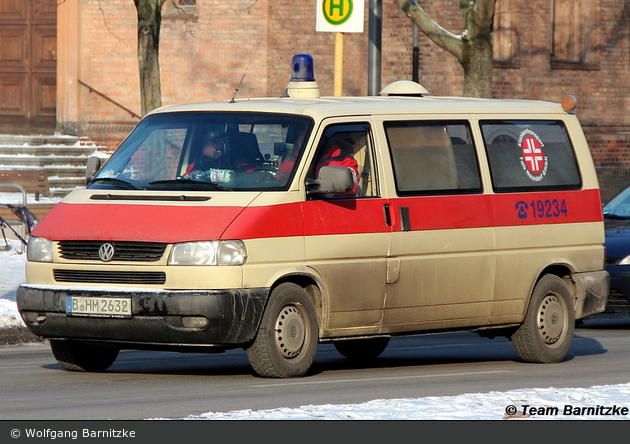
[473,47]
[477,64]
[149,23]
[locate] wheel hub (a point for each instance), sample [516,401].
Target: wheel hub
[290,331]
[551,319]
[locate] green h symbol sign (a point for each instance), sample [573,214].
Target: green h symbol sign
[335,5]
[337,12]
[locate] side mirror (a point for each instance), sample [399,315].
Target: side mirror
[332,179]
[93,165]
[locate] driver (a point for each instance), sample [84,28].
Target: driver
[211,156]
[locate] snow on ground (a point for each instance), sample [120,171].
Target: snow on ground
[18,198]
[556,404]
[12,272]
[605,402]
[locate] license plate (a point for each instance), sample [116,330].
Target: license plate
[96,306]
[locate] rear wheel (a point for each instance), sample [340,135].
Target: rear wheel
[362,349]
[286,341]
[81,357]
[547,331]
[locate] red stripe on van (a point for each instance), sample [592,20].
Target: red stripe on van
[142,223]
[352,216]
[547,208]
[266,222]
[163,223]
[444,212]
[513,209]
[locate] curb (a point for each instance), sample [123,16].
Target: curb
[19,335]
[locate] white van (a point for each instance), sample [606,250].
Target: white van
[276,224]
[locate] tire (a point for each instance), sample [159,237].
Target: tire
[80,357]
[547,331]
[362,349]
[276,354]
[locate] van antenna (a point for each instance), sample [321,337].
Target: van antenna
[246,69]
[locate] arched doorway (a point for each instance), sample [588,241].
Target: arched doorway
[28,66]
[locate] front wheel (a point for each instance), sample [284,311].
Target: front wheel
[82,357]
[547,331]
[286,341]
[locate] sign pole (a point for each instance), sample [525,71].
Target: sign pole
[374,49]
[338,84]
[339,16]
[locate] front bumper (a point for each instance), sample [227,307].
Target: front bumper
[591,292]
[619,295]
[233,316]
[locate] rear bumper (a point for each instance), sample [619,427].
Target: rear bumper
[592,292]
[233,316]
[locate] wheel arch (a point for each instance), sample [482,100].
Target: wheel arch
[313,284]
[564,272]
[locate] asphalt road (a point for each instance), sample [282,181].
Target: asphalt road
[143,385]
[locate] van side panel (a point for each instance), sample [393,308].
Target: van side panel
[446,263]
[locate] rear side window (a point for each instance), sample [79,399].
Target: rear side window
[530,155]
[433,157]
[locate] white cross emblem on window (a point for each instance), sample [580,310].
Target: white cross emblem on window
[532,154]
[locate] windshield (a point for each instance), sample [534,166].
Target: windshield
[208,151]
[619,206]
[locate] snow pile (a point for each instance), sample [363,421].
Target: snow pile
[598,403]
[12,272]
[18,198]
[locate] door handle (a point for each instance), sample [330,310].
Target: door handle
[388,216]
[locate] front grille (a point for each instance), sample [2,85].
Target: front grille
[111,277]
[615,295]
[123,251]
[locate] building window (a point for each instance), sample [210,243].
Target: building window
[573,31]
[503,34]
[187,2]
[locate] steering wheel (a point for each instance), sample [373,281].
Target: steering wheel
[272,170]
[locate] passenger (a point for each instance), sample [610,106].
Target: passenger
[336,156]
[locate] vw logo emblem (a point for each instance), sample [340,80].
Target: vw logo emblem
[106,252]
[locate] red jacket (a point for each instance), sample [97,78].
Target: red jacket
[337,157]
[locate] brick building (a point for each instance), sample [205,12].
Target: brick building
[74,68]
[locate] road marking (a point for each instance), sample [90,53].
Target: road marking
[338,381]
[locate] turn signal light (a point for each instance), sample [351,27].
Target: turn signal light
[569,103]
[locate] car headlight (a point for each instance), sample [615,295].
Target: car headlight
[624,261]
[39,249]
[232,252]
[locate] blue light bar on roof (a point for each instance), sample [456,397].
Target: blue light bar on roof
[303,68]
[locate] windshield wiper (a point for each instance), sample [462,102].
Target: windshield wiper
[183,180]
[120,183]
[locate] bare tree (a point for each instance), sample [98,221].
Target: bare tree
[149,23]
[473,47]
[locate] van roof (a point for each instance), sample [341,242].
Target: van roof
[370,105]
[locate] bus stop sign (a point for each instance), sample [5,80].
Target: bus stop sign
[340,15]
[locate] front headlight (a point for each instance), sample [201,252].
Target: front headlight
[39,250]
[232,252]
[624,261]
